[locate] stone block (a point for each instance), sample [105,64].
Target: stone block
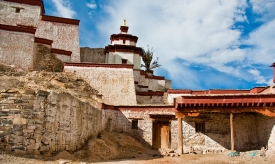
[44,148]
[31,127]
[42,93]
[27,91]
[19,121]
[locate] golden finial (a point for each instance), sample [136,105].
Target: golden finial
[124,22]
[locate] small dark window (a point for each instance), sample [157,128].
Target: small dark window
[17,10]
[124,61]
[200,127]
[123,41]
[134,124]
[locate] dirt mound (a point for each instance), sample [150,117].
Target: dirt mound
[11,70]
[65,155]
[17,80]
[113,145]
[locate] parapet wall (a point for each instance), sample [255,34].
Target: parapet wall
[114,82]
[92,55]
[45,123]
[64,36]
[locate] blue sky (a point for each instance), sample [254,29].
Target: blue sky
[201,44]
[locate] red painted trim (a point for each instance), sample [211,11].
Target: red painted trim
[60,20]
[25,29]
[124,37]
[205,100]
[142,72]
[230,91]
[43,41]
[59,51]
[206,92]
[149,93]
[124,29]
[99,65]
[155,77]
[140,108]
[257,89]
[30,2]
[123,48]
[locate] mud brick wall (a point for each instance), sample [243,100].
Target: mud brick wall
[150,99]
[16,48]
[64,36]
[29,15]
[92,55]
[43,123]
[217,133]
[266,132]
[121,121]
[115,84]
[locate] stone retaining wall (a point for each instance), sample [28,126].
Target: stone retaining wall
[43,123]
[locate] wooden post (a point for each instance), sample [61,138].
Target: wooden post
[232,131]
[180,144]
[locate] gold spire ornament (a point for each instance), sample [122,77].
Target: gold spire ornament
[124,22]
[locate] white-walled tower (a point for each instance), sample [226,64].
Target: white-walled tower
[122,49]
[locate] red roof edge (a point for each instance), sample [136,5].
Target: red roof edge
[99,65]
[25,29]
[60,20]
[59,51]
[43,41]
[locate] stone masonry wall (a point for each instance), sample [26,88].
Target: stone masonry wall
[115,84]
[44,123]
[16,48]
[266,133]
[92,55]
[121,121]
[29,15]
[215,139]
[150,99]
[217,133]
[64,36]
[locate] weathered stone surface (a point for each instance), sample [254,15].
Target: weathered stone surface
[92,55]
[40,126]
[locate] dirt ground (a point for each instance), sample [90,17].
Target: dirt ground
[186,158]
[114,147]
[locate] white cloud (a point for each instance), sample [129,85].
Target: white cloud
[262,40]
[196,31]
[63,8]
[257,75]
[91,5]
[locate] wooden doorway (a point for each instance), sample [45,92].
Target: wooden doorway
[161,134]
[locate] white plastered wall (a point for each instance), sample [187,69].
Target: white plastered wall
[115,84]
[64,36]
[16,48]
[29,15]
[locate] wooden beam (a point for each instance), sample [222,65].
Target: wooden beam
[232,131]
[180,142]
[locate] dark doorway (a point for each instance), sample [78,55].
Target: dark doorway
[161,134]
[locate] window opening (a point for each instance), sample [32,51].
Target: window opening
[200,127]
[134,124]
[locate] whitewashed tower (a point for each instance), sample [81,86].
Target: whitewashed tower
[123,48]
